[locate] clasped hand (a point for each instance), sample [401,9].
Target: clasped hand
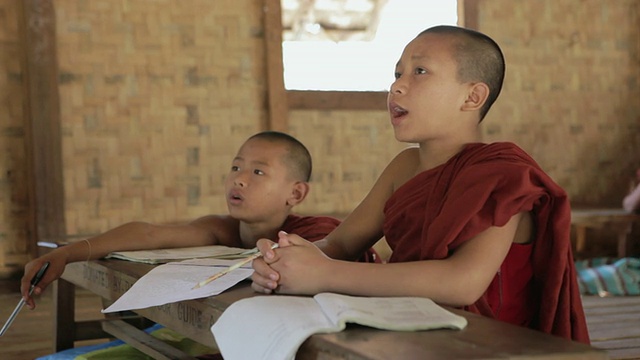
[295,267]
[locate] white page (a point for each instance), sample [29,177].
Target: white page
[390,313]
[268,327]
[174,282]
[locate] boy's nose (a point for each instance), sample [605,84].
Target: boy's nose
[239,182]
[397,87]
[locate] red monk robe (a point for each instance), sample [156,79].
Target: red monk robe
[311,228]
[482,186]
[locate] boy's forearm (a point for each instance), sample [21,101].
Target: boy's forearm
[130,236]
[431,279]
[329,249]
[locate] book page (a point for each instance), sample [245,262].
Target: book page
[390,313]
[174,282]
[159,256]
[269,327]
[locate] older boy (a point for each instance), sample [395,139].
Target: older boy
[471,225]
[268,177]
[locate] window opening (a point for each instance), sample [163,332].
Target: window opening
[352,45]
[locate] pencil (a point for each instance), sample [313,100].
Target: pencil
[231,268]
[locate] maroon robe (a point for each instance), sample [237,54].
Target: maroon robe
[485,185]
[311,228]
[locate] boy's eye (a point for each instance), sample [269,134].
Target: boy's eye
[235,168]
[397,75]
[420,71]
[258,172]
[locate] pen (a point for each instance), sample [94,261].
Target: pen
[230,268]
[36,279]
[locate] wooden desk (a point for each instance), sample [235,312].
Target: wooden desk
[618,220]
[483,338]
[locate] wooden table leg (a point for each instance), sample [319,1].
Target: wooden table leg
[581,238]
[623,236]
[64,295]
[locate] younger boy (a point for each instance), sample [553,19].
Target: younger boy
[471,225]
[268,177]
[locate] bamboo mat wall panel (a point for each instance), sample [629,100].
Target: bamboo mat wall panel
[13,166]
[571,92]
[156,98]
[350,149]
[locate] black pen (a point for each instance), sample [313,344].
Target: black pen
[36,279]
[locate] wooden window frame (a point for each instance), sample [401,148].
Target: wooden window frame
[282,100]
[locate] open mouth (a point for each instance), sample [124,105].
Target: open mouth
[397,111]
[235,196]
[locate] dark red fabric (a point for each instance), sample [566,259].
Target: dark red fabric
[311,228]
[510,295]
[482,186]
[315,228]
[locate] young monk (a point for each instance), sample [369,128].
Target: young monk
[268,177]
[471,225]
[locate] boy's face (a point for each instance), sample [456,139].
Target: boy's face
[259,183]
[425,99]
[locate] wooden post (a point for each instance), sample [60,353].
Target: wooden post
[276,94]
[42,123]
[469,14]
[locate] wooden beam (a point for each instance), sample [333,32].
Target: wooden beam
[144,342]
[468,14]
[276,94]
[42,123]
[337,100]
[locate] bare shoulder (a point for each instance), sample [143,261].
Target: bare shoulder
[403,166]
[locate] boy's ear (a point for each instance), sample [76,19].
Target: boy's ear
[478,94]
[298,193]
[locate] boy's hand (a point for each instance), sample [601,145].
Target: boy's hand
[265,279]
[57,262]
[301,266]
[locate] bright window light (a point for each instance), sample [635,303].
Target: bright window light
[363,65]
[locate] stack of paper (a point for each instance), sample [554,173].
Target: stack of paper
[161,256]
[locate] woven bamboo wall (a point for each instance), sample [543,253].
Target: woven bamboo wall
[156,98]
[349,149]
[571,91]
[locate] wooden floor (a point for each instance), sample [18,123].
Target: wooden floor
[30,336]
[614,324]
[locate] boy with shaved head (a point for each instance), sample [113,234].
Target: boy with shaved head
[268,177]
[471,225]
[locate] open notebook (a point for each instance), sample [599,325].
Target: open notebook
[277,325]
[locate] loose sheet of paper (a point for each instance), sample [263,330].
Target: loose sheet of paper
[173,282]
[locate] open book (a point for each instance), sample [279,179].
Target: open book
[161,256]
[277,325]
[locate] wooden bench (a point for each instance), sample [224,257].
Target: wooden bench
[616,220]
